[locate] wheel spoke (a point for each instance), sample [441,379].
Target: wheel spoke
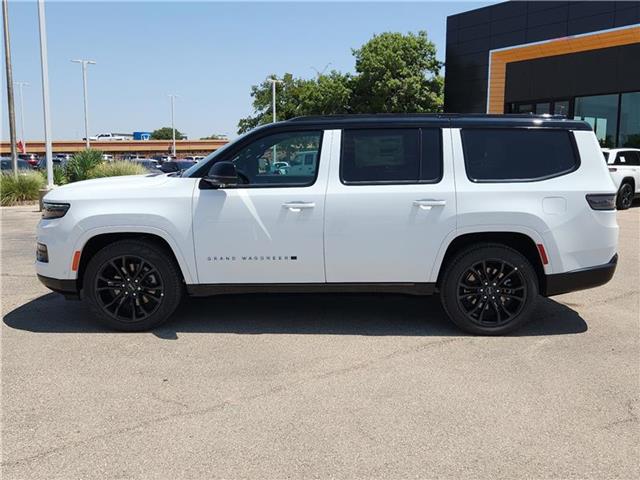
[129,288]
[496,304]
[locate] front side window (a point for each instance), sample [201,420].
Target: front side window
[519,154]
[286,159]
[391,156]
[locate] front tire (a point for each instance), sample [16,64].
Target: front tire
[625,195]
[489,289]
[132,285]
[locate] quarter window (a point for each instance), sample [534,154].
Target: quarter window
[495,155]
[286,159]
[391,156]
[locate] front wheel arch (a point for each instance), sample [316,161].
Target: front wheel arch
[98,242]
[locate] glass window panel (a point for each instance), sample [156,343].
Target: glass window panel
[289,158]
[380,155]
[629,135]
[601,111]
[543,108]
[517,154]
[561,107]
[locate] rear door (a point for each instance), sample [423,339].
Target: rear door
[390,204]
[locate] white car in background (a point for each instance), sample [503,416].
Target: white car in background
[624,167]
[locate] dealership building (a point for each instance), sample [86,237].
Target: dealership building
[579,59]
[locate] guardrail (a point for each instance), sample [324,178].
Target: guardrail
[122,146]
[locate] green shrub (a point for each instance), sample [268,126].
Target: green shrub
[117,169]
[26,187]
[59,175]
[82,163]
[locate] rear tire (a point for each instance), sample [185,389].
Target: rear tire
[489,289]
[132,285]
[624,199]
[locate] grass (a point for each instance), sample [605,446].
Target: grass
[117,169]
[25,188]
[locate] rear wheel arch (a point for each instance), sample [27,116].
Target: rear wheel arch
[97,242]
[520,242]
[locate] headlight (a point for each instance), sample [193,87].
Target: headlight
[54,210]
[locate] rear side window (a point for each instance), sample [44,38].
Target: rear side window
[498,155]
[371,156]
[627,158]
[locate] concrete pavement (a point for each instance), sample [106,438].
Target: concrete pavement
[316,386]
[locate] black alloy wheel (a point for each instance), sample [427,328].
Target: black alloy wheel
[489,289]
[133,285]
[129,288]
[492,292]
[625,196]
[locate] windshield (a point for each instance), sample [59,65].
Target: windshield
[212,155]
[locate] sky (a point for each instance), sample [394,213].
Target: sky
[207,53]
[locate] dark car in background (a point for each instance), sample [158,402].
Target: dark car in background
[176,166]
[7,165]
[31,158]
[150,165]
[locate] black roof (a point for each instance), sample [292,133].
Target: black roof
[452,120]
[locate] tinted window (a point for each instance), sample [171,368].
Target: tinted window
[627,158]
[517,154]
[390,155]
[289,158]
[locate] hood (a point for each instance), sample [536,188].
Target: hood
[110,187]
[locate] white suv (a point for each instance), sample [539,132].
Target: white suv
[487,211]
[624,166]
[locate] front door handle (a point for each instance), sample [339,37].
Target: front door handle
[427,203]
[297,206]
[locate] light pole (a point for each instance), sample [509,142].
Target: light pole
[20,85]
[9,73]
[173,128]
[319,73]
[84,64]
[44,65]
[273,95]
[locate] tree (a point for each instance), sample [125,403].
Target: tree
[393,73]
[397,73]
[165,133]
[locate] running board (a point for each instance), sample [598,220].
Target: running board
[205,290]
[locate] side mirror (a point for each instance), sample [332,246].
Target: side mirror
[222,174]
[169,167]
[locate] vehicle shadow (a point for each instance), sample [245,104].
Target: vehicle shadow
[328,314]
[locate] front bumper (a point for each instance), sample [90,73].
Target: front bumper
[68,288]
[581,279]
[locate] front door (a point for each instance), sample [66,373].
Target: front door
[391,206]
[269,228]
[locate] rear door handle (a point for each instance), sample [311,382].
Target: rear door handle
[427,203]
[297,206]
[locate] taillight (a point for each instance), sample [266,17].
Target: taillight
[602,201]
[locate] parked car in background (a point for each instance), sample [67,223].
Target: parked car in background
[176,166]
[163,158]
[31,158]
[193,158]
[624,168]
[62,157]
[107,157]
[7,165]
[108,137]
[151,165]
[487,212]
[57,162]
